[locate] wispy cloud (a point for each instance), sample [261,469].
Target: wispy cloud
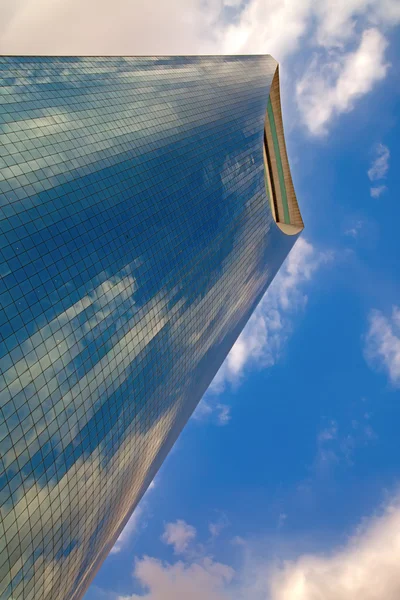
[354,229]
[377,191]
[382,343]
[331,84]
[379,169]
[336,445]
[179,535]
[262,341]
[218,526]
[328,433]
[380,164]
[327,455]
[220,413]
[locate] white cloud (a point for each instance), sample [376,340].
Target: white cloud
[98,27]
[177,27]
[338,76]
[382,343]
[232,3]
[201,26]
[195,581]
[275,27]
[179,535]
[262,340]
[376,192]
[207,407]
[365,568]
[223,413]
[338,21]
[184,26]
[380,164]
[330,86]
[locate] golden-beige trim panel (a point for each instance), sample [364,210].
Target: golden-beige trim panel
[278,179]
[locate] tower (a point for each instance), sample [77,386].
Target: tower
[146,205]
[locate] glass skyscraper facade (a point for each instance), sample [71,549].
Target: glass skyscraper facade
[145,205]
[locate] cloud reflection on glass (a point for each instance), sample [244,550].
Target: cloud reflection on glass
[137,239]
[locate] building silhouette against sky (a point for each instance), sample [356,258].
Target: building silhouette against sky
[146,205]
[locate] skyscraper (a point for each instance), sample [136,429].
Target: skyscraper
[145,204]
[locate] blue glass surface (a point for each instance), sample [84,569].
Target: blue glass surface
[136,241]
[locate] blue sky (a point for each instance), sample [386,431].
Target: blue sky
[285,483]
[294,447]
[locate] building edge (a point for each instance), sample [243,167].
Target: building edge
[278,179]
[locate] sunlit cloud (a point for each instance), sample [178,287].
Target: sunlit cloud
[275,27]
[382,343]
[202,579]
[178,535]
[339,21]
[331,84]
[364,567]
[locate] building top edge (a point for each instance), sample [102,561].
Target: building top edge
[137,56]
